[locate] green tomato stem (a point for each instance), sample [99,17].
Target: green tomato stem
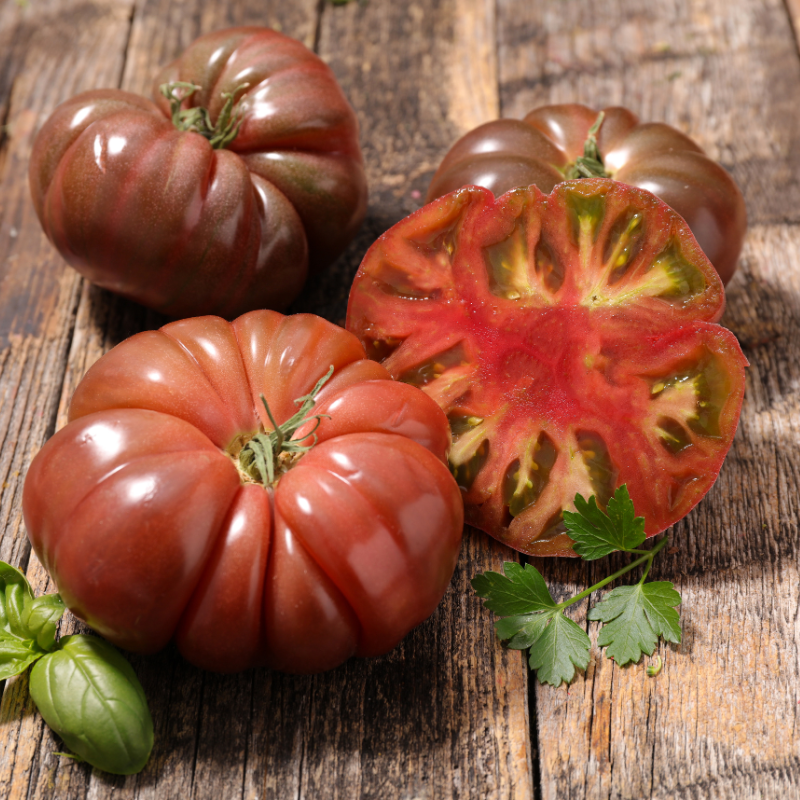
[260,457]
[648,557]
[198,120]
[589,165]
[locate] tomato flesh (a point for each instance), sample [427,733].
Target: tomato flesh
[572,341]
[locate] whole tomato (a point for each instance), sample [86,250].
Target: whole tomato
[563,142]
[572,340]
[218,196]
[258,490]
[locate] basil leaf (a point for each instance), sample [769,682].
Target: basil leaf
[15,594]
[90,696]
[41,619]
[16,655]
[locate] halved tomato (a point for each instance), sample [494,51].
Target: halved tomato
[571,339]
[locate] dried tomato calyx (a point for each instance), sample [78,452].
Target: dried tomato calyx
[270,454]
[589,165]
[198,120]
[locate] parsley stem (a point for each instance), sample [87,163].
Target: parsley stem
[648,556]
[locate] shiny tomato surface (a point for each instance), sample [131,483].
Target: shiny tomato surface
[545,148]
[572,340]
[143,514]
[158,215]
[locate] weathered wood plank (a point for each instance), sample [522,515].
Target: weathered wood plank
[49,52]
[793,7]
[721,718]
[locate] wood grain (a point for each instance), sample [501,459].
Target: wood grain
[724,73]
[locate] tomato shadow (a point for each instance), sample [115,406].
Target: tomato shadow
[326,292]
[106,319]
[405,714]
[263,727]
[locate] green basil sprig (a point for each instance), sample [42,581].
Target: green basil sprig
[84,689]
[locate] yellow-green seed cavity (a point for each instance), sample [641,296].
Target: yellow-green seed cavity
[695,394]
[623,244]
[507,263]
[433,369]
[587,216]
[601,470]
[673,435]
[681,280]
[381,349]
[526,478]
[549,269]
[397,282]
[466,473]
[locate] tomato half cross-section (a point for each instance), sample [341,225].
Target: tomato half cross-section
[572,340]
[569,140]
[258,490]
[218,197]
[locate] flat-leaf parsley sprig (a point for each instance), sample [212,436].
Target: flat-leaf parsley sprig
[633,617]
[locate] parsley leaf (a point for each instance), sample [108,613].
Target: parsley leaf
[520,591]
[533,619]
[562,646]
[636,616]
[596,534]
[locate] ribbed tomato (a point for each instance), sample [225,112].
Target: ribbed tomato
[216,204]
[560,142]
[572,340]
[160,510]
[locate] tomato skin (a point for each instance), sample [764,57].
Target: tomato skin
[572,340]
[507,153]
[140,514]
[157,215]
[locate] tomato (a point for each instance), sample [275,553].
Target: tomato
[572,340]
[142,204]
[151,514]
[550,145]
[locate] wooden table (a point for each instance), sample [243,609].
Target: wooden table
[450,714]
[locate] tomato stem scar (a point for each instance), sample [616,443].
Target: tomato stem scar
[275,451]
[198,120]
[589,165]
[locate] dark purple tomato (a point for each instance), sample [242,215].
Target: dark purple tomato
[218,201]
[563,142]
